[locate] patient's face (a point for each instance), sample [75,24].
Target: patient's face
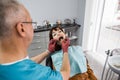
[58,35]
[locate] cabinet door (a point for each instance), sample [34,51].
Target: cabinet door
[38,44]
[47,39]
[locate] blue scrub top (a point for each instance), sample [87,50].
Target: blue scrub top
[28,70]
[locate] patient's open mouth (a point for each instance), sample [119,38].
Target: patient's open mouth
[60,38]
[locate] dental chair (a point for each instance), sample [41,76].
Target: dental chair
[109,70]
[81,76]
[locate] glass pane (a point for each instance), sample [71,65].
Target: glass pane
[110,30]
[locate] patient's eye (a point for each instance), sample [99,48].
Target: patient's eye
[54,34]
[59,31]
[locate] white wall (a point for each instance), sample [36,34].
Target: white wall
[51,10]
[87,23]
[81,17]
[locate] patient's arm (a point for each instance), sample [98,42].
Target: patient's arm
[39,58]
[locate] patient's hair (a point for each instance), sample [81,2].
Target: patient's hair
[10,13]
[57,46]
[54,28]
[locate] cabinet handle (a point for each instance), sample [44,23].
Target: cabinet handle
[35,42]
[37,48]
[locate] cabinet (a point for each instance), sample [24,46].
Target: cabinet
[39,43]
[41,39]
[72,33]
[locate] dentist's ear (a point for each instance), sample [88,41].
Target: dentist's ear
[20,29]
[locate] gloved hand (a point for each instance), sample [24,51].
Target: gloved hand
[51,46]
[65,44]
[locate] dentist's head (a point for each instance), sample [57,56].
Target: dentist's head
[16,31]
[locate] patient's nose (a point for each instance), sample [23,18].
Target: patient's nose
[58,34]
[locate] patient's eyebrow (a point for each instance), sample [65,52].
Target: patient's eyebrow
[53,32]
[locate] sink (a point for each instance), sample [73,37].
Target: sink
[114,63]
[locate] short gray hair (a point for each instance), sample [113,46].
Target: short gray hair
[9,10]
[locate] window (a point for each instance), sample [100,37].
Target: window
[109,35]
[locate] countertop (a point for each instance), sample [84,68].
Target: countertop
[47,28]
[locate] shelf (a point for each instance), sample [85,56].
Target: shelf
[44,28]
[73,37]
[116,27]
